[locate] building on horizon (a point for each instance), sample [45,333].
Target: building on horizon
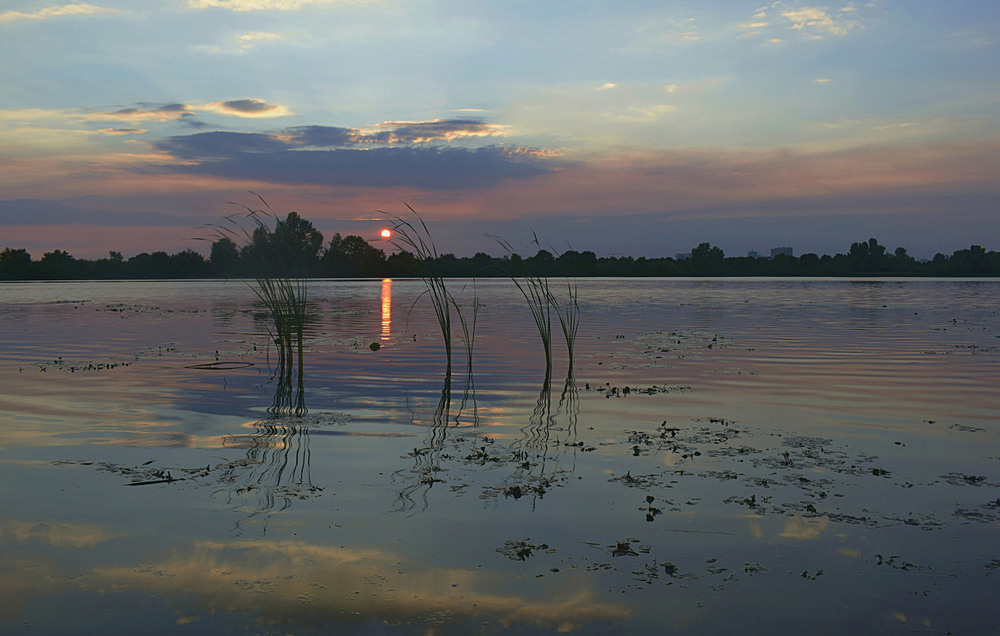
[775,251]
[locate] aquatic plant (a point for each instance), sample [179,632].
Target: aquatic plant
[279,271]
[534,286]
[415,237]
[535,289]
[569,319]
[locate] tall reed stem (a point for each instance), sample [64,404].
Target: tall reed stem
[280,285]
[414,236]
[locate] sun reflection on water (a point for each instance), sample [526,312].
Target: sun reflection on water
[386,308]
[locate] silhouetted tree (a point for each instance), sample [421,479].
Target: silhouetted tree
[971,262]
[541,264]
[111,267]
[352,256]
[868,258]
[225,257]
[706,259]
[189,264]
[57,265]
[146,265]
[14,264]
[573,263]
[291,249]
[402,264]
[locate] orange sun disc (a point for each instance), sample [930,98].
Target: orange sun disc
[386,233]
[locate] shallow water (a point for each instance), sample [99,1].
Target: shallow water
[817,456]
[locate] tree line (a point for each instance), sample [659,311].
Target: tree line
[353,257]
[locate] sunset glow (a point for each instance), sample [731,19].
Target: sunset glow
[744,125]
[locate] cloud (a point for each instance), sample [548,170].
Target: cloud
[75,9]
[392,153]
[145,112]
[817,23]
[682,30]
[124,131]
[437,130]
[250,40]
[392,133]
[648,113]
[275,5]
[23,114]
[246,108]
[211,146]
[249,108]
[320,136]
[905,124]
[812,22]
[271,158]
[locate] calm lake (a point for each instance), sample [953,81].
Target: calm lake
[752,456]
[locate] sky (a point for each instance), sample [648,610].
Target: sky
[622,127]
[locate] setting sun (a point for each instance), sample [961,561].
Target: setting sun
[386,234]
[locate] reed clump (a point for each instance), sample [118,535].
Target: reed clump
[279,273]
[413,236]
[543,302]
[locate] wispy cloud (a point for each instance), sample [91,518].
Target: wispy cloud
[755,24]
[812,22]
[817,23]
[905,124]
[391,133]
[145,112]
[124,131]
[647,113]
[23,114]
[276,5]
[678,30]
[59,11]
[252,39]
[437,130]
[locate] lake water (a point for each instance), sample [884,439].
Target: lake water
[758,456]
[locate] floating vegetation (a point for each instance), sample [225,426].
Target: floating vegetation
[522,549]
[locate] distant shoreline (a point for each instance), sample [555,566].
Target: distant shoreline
[352,257]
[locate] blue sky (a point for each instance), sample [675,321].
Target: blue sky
[625,128]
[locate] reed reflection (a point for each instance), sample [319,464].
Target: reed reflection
[428,458]
[540,459]
[276,469]
[546,440]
